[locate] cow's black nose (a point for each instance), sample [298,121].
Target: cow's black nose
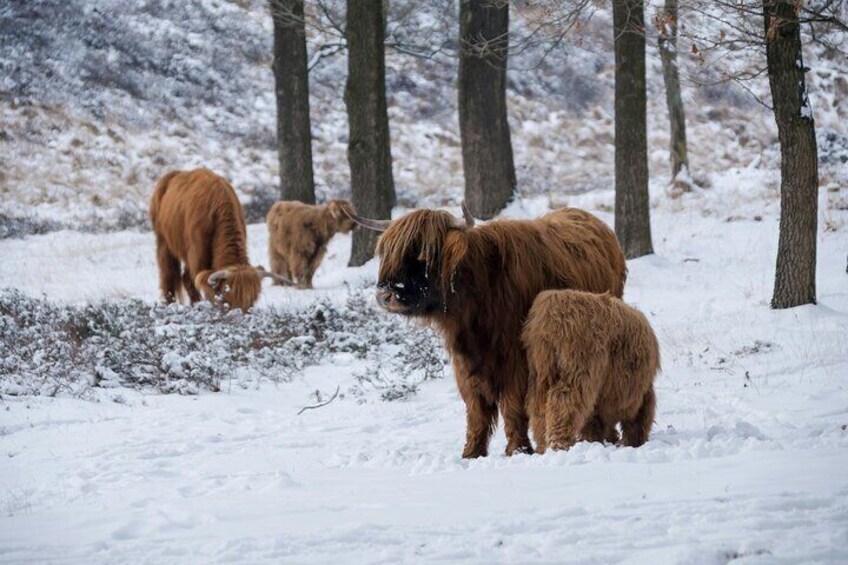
[384,297]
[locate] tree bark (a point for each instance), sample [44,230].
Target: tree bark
[667,44]
[294,134]
[487,160]
[632,211]
[368,151]
[795,276]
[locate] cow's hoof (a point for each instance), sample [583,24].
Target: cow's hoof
[560,445]
[474,452]
[526,449]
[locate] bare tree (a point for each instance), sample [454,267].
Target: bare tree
[368,151]
[667,22]
[294,135]
[487,159]
[774,28]
[632,210]
[736,26]
[795,276]
[432,37]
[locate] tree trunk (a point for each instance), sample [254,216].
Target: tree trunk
[795,277]
[368,150]
[667,44]
[632,211]
[486,147]
[294,134]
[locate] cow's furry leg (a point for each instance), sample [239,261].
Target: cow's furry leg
[481,418]
[536,405]
[200,259]
[278,265]
[314,263]
[188,286]
[299,269]
[636,430]
[481,412]
[169,272]
[596,429]
[571,402]
[515,418]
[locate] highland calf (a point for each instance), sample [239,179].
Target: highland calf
[298,235]
[592,362]
[476,285]
[198,221]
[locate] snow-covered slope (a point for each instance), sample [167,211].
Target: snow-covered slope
[98,98]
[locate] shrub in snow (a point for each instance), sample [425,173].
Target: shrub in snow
[260,200]
[833,154]
[18,226]
[54,348]
[400,376]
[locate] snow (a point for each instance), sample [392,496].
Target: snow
[806,111]
[123,264]
[745,460]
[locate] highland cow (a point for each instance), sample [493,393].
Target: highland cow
[592,362]
[198,221]
[298,235]
[476,284]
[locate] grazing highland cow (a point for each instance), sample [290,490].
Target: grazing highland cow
[298,235]
[592,362]
[198,220]
[476,285]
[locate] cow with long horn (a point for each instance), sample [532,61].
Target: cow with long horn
[201,241]
[475,285]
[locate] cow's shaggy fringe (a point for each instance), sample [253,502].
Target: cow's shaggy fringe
[54,349]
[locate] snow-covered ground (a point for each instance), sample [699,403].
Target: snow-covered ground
[746,461]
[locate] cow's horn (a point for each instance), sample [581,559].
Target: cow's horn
[376,225]
[279,278]
[466,213]
[217,276]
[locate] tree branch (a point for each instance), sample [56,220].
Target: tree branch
[322,404]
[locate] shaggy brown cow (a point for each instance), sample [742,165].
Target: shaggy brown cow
[298,235]
[476,285]
[592,361]
[198,220]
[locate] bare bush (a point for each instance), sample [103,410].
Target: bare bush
[20,226]
[68,350]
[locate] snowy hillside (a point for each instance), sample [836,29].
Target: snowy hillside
[320,429]
[99,98]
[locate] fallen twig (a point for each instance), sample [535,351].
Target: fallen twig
[332,398]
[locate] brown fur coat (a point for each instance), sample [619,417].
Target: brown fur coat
[199,223]
[592,362]
[298,235]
